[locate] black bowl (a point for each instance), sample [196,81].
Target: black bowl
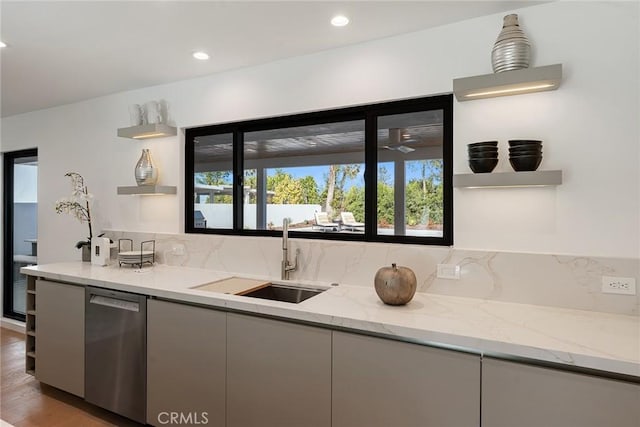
[482,165]
[526,154]
[482,148]
[526,142]
[484,155]
[484,144]
[523,149]
[525,163]
[536,154]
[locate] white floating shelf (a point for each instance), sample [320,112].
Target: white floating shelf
[508,179]
[147,189]
[527,80]
[153,130]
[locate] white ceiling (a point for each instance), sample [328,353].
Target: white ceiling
[61,52]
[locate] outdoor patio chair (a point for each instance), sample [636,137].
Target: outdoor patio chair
[323,223]
[349,222]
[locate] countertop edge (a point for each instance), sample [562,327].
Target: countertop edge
[303,313]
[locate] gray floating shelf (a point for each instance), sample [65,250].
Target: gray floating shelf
[508,179]
[153,130]
[527,80]
[147,189]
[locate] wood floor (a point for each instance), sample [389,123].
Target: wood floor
[24,402]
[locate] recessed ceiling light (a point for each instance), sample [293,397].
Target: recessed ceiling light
[203,56]
[2,44]
[339,21]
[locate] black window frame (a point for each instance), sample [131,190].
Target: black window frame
[369,113]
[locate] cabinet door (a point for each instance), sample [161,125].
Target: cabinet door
[186,362]
[380,382]
[278,373]
[60,336]
[514,394]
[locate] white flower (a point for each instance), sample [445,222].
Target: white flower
[79,202]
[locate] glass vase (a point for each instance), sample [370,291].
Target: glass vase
[146,173]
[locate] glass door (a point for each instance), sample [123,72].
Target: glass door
[20,228]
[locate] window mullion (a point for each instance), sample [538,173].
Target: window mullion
[370,176]
[238,180]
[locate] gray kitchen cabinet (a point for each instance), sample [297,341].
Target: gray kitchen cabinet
[186,364]
[278,373]
[515,394]
[381,382]
[59,343]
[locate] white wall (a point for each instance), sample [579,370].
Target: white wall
[220,215]
[589,126]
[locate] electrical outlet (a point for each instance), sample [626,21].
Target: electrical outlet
[177,249]
[448,271]
[618,285]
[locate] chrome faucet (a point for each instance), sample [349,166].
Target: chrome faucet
[287,267]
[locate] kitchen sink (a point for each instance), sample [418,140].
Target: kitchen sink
[284,293]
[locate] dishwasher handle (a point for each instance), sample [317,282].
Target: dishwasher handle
[114,303]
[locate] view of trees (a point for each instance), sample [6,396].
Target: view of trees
[338,193]
[216,178]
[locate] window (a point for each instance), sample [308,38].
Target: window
[377,172]
[300,172]
[213,181]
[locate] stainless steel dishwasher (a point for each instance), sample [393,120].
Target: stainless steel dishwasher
[116,351]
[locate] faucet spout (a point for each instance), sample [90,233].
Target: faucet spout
[287,267]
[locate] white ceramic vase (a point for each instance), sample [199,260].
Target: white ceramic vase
[154,113]
[135,114]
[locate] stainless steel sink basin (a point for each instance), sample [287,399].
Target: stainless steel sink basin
[278,292]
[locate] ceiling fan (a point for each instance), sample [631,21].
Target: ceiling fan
[397,138]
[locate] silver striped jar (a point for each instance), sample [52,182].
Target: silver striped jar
[512,50]
[146,173]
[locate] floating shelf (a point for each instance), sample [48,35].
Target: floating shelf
[147,189]
[153,130]
[508,179]
[527,80]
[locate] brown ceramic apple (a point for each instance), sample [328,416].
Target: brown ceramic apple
[395,285]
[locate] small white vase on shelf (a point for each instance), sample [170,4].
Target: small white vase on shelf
[146,173]
[135,114]
[154,113]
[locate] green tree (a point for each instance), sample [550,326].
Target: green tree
[424,195]
[344,172]
[336,181]
[354,202]
[216,178]
[287,189]
[213,177]
[385,197]
[310,194]
[250,181]
[385,204]
[330,189]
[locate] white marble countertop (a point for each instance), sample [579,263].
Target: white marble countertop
[584,339]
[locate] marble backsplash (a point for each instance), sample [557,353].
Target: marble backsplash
[539,279]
